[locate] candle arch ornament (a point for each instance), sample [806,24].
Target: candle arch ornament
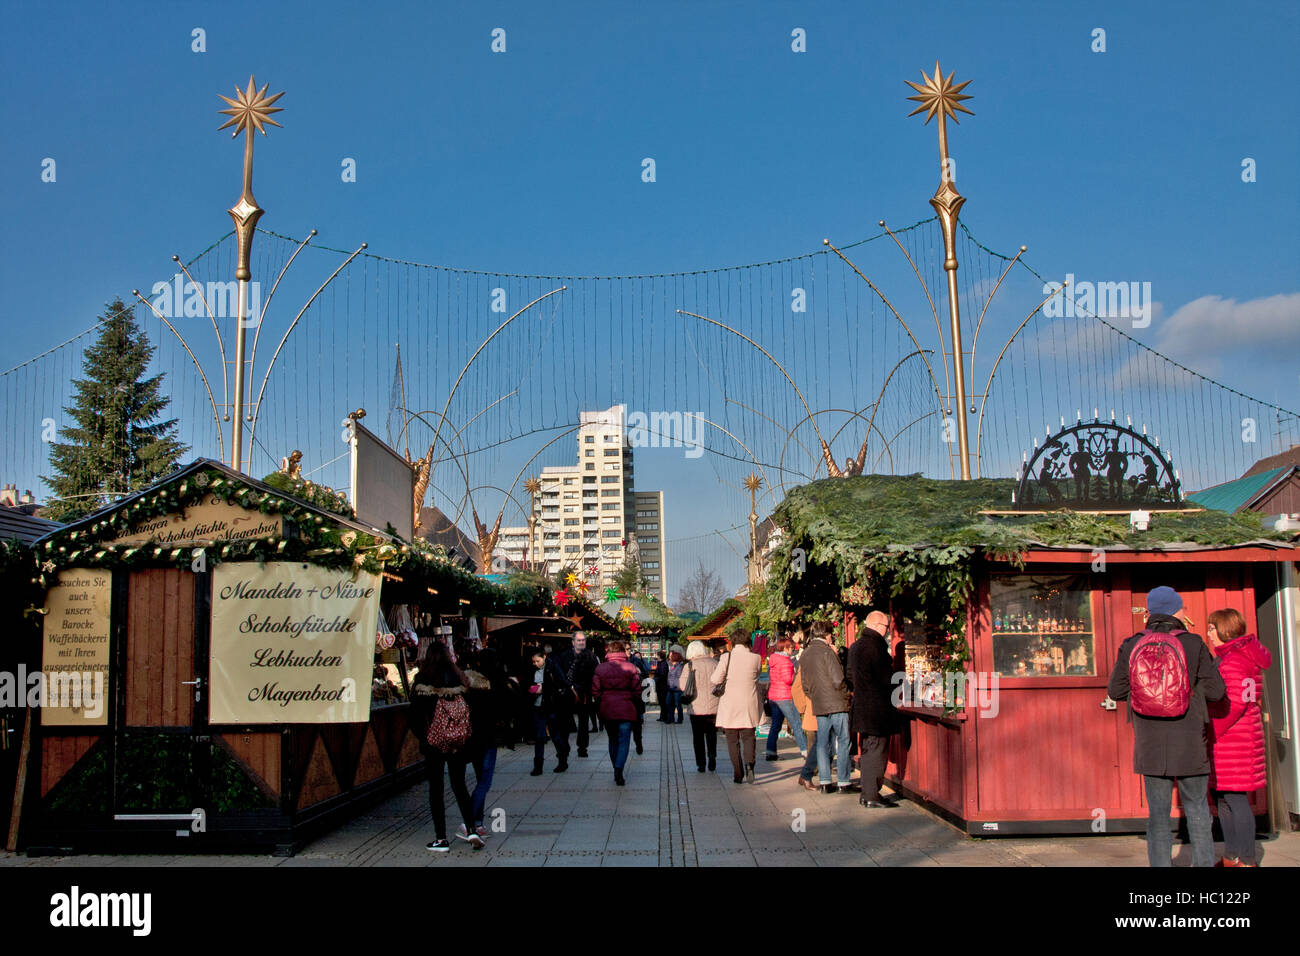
[1088,466]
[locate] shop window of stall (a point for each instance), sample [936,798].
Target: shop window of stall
[400,629]
[1042,625]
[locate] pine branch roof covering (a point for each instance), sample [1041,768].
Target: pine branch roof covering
[847,516]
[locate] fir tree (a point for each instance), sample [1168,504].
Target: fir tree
[117,445]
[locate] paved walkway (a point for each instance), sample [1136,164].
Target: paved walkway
[670,815]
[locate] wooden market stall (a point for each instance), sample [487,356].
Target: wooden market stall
[1041,748]
[713,626]
[1030,611]
[253,649]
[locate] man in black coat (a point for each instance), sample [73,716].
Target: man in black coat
[579,664]
[1166,749]
[873,716]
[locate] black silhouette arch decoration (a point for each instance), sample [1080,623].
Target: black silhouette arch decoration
[1098,466]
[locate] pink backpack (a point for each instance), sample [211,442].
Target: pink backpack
[449,730]
[1159,684]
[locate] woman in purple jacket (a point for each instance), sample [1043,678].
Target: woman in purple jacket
[615,688]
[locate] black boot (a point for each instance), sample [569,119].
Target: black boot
[563,765]
[618,778]
[537,769]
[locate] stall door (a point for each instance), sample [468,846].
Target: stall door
[161,758]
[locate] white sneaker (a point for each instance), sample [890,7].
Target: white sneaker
[438,846]
[472,839]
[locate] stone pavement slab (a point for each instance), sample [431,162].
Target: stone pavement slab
[671,815]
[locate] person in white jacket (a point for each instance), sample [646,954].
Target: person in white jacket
[703,707]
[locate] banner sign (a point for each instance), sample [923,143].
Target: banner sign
[291,644]
[74,664]
[210,519]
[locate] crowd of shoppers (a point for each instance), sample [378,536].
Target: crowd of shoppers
[1193,703]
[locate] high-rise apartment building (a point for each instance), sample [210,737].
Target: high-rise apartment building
[649,530]
[587,515]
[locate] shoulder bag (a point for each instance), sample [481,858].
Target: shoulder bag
[688,688]
[721,688]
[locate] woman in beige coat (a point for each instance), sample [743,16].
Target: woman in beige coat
[739,708]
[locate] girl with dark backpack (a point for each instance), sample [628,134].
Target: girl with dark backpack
[1168,676]
[438,698]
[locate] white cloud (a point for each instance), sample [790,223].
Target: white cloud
[1200,333]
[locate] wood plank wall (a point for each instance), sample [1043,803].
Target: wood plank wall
[160,649]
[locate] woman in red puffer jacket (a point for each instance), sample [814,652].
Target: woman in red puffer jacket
[616,687]
[1237,732]
[780,671]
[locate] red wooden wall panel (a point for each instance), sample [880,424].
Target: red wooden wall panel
[59,754]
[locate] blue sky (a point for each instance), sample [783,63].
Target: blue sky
[1124,164]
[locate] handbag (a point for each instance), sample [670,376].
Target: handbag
[688,690]
[721,689]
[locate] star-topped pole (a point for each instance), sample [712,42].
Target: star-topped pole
[250,111]
[940,97]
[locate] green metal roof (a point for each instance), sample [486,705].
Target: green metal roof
[1232,496]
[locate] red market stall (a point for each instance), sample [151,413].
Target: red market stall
[1007,628]
[1044,750]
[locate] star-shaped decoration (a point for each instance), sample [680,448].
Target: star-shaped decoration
[47,566]
[583,587]
[592,571]
[938,95]
[634,627]
[611,594]
[562,597]
[250,110]
[626,612]
[570,578]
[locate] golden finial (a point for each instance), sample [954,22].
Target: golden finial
[250,110]
[753,482]
[533,485]
[938,93]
